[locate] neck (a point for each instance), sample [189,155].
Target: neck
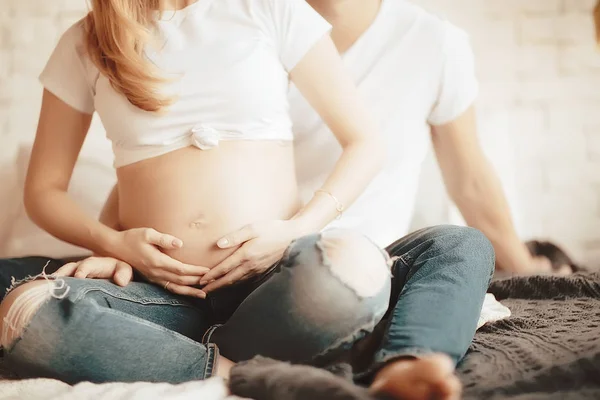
[349,18]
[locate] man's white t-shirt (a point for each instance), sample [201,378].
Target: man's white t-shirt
[413,70]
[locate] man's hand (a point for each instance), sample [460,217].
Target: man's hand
[119,272]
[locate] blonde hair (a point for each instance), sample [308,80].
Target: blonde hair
[116,33]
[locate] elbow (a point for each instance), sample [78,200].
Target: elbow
[30,201]
[467,191]
[33,196]
[373,154]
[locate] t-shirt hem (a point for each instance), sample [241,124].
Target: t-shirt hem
[457,111]
[64,96]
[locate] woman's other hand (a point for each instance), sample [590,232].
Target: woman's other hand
[118,271]
[141,248]
[261,245]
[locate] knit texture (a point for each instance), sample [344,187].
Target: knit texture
[548,349]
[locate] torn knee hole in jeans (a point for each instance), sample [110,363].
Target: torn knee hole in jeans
[28,303]
[355,261]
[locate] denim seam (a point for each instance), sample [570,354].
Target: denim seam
[80,295]
[206,338]
[403,260]
[15,284]
[212,357]
[143,322]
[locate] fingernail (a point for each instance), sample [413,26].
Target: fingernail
[203,282]
[223,242]
[177,243]
[202,295]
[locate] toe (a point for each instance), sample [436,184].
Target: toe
[450,388]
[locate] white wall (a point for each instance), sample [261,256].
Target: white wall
[539,109]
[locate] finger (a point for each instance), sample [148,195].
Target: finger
[67,269]
[123,274]
[237,275]
[174,266]
[184,280]
[231,262]
[85,268]
[162,240]
[248,232]
[99,268]
[184,290]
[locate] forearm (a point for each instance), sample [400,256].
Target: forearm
[109,215]
[54,211]
[483,205]
[356,167]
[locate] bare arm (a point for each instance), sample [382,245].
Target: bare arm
[323,81]
[474,187]
[60,135]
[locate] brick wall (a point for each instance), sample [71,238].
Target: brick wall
[29,30]
[539,108]
[539,111]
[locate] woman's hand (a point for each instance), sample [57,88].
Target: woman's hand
[119,272]
[261,246]
[140,248]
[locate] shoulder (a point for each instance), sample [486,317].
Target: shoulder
[421,26]
[72,42]
[74,35]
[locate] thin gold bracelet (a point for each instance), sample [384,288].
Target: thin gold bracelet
[339,206]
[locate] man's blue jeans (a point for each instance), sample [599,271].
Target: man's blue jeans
[100,332]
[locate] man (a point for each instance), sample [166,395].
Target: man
[416,72]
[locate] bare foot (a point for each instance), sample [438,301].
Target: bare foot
[224,366]
[429,377]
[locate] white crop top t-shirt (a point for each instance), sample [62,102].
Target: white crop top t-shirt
[230,61]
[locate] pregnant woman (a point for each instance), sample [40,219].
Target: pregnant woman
[193,98]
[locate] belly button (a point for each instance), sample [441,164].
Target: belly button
[198,223]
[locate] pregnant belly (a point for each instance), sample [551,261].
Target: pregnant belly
[199,196]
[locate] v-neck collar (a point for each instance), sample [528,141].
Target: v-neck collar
[369,31]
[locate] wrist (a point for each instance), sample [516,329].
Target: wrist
[301,226]
[108,241]
[516,259]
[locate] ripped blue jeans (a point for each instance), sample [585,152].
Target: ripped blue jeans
[328,291]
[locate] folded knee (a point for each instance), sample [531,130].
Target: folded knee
[480,248]
[467,243]
[19,307]
[355,261]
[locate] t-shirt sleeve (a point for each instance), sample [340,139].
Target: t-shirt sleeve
[298,27]
[458,85]
[67,75]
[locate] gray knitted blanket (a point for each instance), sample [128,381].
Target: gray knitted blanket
[548,349]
